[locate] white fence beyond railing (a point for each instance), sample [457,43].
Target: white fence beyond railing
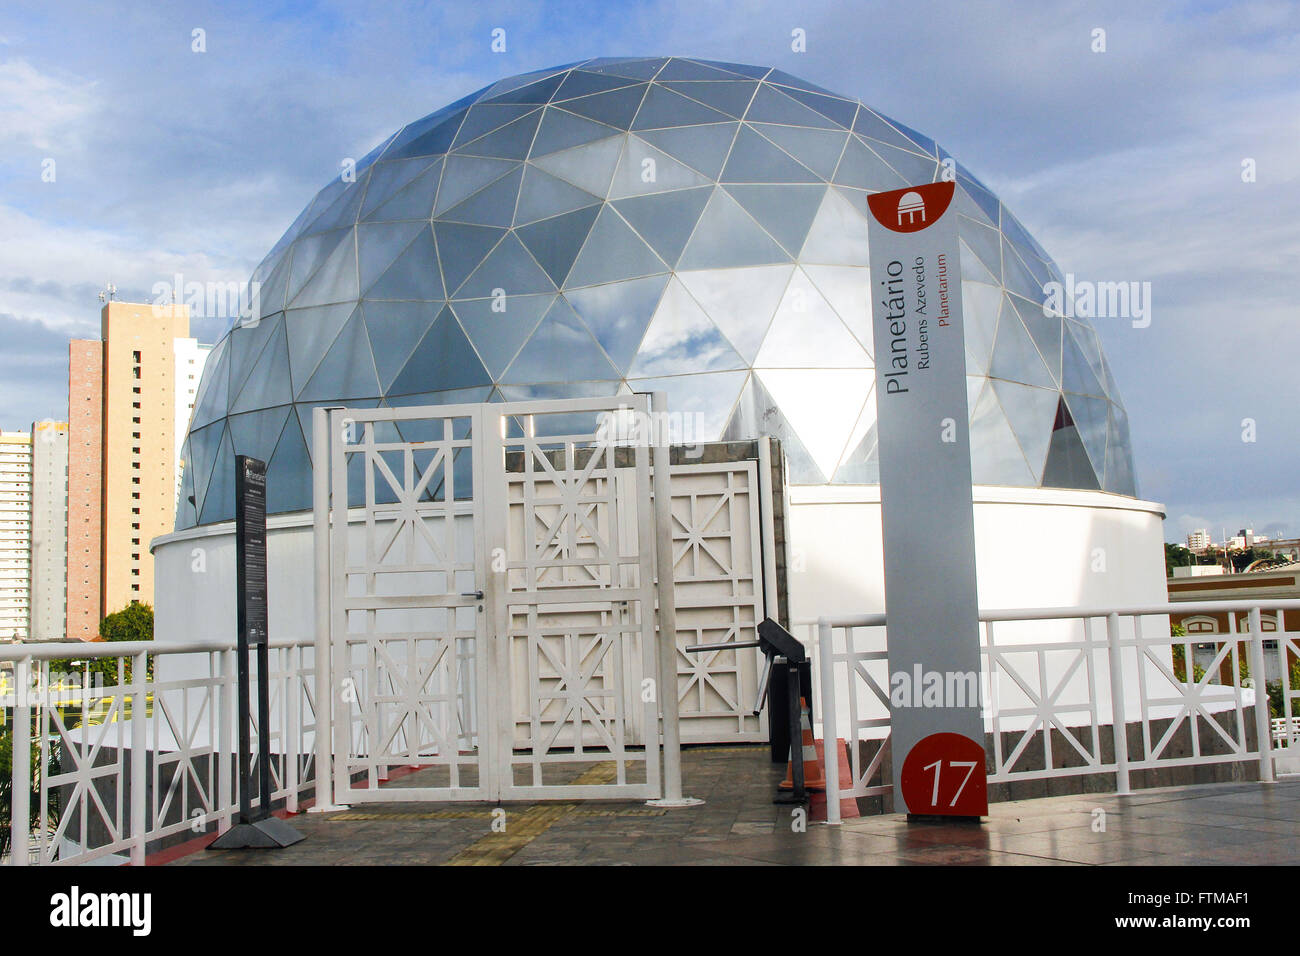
[122,765]
[1055,681]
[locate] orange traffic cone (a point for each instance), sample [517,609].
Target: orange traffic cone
[813,778]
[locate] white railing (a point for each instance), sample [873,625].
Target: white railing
[147,758]
[1057,680]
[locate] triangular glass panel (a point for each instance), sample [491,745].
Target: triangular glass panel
[289,463]
[465,175]
[1120,476]
[560,350]
[589,167]
[509,270]
[613,251]
[756,414]
[186,515]
[996,458]
[461,248]
[560,130]
[641,68]
[703,148]
[484,118]
[975,270]
[982,198]
[698,405]
[1086,337]
[861,168]
[443,359]
[308,253]
[1045,330]
[1091,418]
[980,306]
[822,405]
[310,334]
[681,339]
[493,205]
[1076,372]
[344,211]
[204,443]
[497,335]
[335,280]
[663,108]
[756,160]
[584,83]
[412,201]
[617,314]
[739,69]
[555,242]
[848,290]
[247,342]
[786,212]
[1017,278]
[434,142]
[211,398]
[871,125]
[806,333]
[219,499]
[680,69]
[861,463]
[380,243]
[615,108]
[271,289]
[915,170]
[393,329]
[542,196]
[512,141]
[837,110]
[644,169]
[414,274]
[665,220]
[819,150]
[728,236]
[984,243]
[1067,464]
[1030,412]
[268,383]
[1015,357]
[771,105]
[729,96]
[348,369]
[740,302]
[538,92]
[838,236]
[255,433]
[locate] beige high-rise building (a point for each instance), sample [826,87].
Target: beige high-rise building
[15,534]
[139,443]
[49,579]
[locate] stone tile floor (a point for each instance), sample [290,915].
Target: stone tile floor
[1245,823]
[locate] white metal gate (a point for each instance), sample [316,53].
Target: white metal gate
[492,612]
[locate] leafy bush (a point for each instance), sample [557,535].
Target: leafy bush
[34,798]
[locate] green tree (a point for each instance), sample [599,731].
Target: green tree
[133,623]
[33,798]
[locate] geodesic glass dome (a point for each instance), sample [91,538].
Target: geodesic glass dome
[635,225]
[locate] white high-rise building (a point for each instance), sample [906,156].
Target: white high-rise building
[190,359]
[1198,540]
[15,534]
[49,530]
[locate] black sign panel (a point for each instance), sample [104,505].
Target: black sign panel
[250,550]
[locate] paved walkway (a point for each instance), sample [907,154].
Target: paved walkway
[1246,823]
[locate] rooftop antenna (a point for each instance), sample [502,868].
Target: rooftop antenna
[110,292]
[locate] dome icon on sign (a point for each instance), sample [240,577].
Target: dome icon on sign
[911,205]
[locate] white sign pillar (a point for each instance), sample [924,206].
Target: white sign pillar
[926,509]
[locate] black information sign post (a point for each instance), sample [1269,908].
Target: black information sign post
[256,828]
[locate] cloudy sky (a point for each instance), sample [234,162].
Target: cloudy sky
[1127,165]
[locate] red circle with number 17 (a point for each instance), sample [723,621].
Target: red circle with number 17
[944,775]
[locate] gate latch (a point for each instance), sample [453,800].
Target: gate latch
[477,595]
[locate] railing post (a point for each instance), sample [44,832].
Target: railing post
[1118,723]
[139,795]
[830,735]
[20,806]
[225,690]
[321,463]
[291,673]
[1263,732]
